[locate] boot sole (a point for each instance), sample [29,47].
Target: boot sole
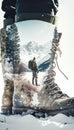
[37,112]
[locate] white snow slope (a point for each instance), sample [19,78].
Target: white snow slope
[28,122]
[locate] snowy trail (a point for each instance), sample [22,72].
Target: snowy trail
[40,75]
[29,122]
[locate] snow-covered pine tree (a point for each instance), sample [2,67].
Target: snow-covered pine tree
[13,47]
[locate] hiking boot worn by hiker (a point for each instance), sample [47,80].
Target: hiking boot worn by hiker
[9,84]
[51,99]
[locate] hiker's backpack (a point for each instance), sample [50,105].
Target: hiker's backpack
[30,64]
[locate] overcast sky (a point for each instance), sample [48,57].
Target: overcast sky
[65,24]
[35,30]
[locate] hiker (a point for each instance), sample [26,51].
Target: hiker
[34,72]
[33,66]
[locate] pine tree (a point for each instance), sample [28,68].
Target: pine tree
[13,47]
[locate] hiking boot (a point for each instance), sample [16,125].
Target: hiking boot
[51,99]
[8,89]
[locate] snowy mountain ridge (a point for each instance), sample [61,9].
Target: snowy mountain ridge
[33,46]
[34,49]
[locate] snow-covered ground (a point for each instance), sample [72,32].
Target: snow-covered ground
[40,76]
[28,122]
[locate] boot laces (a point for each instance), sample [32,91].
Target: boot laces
[50,85]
